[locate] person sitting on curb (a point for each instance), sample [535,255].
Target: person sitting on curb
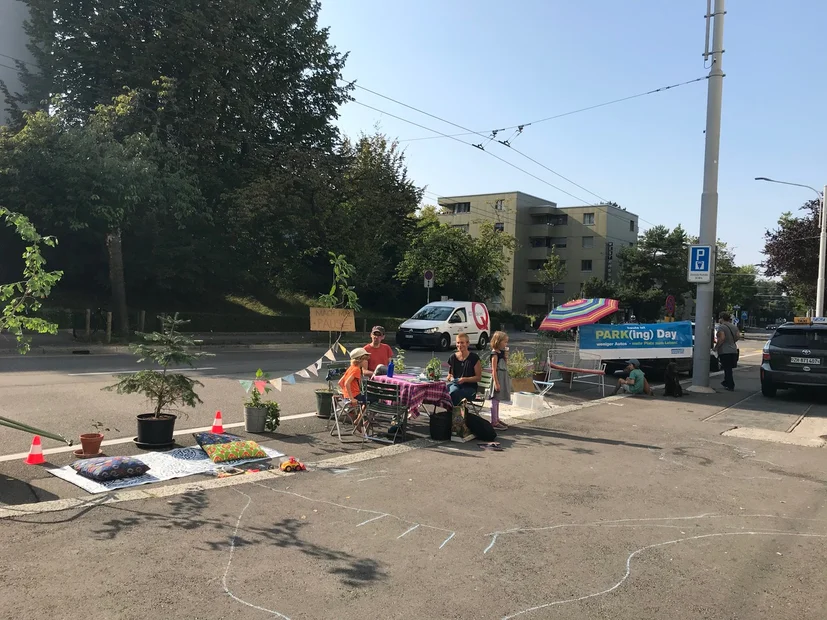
[380,353]
[636,382]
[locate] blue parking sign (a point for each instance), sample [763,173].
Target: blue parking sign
[700,263]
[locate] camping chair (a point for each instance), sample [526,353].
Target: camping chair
[340,406]
[547,383]
[384,408]
[483,388]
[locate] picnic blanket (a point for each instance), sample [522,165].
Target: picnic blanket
[414,392]
[176,463]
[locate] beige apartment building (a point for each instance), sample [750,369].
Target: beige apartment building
[586,238]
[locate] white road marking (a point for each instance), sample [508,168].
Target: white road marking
[122,440]
[131,372]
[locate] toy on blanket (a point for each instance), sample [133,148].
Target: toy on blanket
[290,464]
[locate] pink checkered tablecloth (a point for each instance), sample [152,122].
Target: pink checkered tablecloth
[415,393]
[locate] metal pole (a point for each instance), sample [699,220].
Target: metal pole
[822,255]
[709,203]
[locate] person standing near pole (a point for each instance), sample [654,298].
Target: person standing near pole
[727,349]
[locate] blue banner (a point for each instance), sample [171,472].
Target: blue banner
[636,340]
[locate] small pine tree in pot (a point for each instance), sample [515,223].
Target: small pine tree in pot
[165,390]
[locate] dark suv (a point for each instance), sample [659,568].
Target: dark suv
[796,355]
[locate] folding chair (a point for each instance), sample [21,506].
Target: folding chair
[340,405]
[384,408]
[544,386]
[483,387]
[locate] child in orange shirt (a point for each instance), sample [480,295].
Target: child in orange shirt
[351,382]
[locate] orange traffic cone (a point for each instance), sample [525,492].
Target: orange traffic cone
[35,453]
[217,425]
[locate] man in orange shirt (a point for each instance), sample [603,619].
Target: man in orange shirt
[380,353]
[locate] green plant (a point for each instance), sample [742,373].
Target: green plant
[434,369]
[541,345]
[399,360]
[519,366]
[273,412]
[255,402]
[22,299]
[166,390]
[341,294]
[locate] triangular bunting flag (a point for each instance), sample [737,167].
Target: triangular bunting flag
[276,383]
[329,355]
[318,363]
[312,369]
[304,374]
[246,385]
[342,348]
[260,386]
[290,379]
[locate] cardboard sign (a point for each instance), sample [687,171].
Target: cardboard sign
[332,320]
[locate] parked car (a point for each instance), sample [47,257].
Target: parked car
[796,355]
[435,325]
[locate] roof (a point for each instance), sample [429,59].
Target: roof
[493,194]
[450,304]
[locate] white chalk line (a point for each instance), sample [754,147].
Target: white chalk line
[230,561]
[408,531]
[653,546]
[358,510]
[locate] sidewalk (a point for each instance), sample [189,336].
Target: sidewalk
[625,508]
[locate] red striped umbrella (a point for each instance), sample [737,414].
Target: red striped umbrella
[578,312]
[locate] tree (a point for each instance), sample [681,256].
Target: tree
[791,252]
[21,299]
[465,267]
[552,273]
[596,287]
[88,178]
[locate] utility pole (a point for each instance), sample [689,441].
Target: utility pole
[709,197]
[822,255]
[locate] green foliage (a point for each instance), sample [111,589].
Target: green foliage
[465,267]
[552,273]
[341,294]
[23,298]
[271,423]
[164,389]
[791,252]
[255,401]
[433,370]
[519,366]
[399,360]
[501,318]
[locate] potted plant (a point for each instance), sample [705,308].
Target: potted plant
[91,442]
[399,361]
[520,371]
[261,415]
[434,369]
[164,389]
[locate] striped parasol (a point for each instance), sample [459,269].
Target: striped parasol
[578,312]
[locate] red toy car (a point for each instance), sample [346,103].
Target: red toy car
[291,465]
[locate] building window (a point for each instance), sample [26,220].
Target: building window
[499,205]
[462,207]
[586,265]
[499,227]
[557,242]
[631,226]
[462,227]
[558,220]
[588,242]
[535,265]
[588,219]
[547,242]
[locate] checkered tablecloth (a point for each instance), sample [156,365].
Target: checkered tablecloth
[415,393]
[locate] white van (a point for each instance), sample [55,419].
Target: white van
[436,325]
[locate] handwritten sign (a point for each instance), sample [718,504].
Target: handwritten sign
[332,320]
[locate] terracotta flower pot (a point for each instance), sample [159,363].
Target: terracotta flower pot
[91,442]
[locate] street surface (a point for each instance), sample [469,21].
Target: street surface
[635,508]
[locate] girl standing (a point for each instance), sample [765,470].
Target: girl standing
[501,382]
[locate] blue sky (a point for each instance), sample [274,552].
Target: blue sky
[486,64]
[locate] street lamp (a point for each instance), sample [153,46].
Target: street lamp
[822,240]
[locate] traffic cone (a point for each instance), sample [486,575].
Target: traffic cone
[217,425]
[35,453]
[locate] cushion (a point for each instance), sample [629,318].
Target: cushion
[221,452]
[105,468]
[209,439]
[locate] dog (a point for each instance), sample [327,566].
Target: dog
[672,382]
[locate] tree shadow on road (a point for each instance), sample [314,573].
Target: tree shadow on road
[542,436]
[185,513]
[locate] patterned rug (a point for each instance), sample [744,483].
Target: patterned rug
[176,463]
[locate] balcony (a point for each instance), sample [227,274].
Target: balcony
[544,210]
[548,230]
[538,253]
[535,299]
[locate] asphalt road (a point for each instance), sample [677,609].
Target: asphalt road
[632,510]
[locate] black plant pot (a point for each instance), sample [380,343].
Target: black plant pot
[155,432]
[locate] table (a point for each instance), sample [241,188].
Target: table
[414,392]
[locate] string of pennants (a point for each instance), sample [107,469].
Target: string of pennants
[290,379]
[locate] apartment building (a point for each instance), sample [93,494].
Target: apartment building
[587,238]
